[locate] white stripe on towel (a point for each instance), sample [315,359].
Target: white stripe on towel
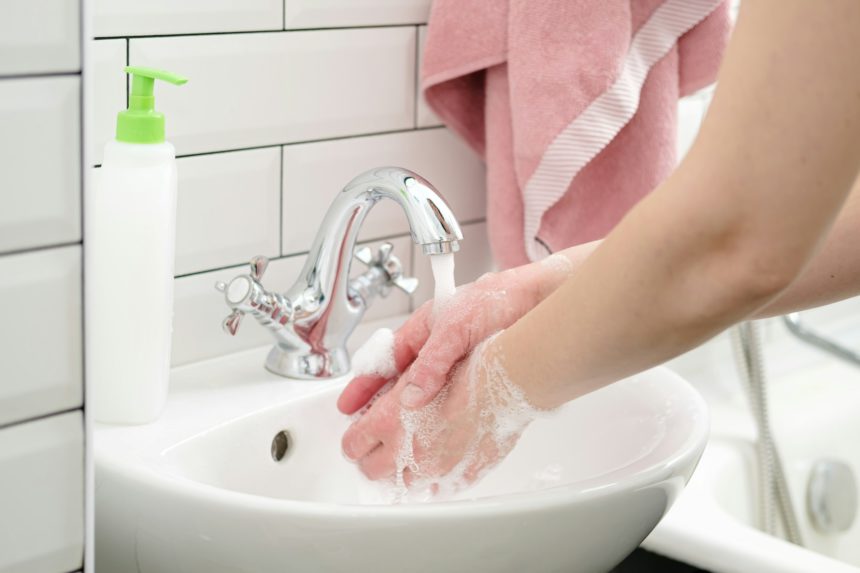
[594,128]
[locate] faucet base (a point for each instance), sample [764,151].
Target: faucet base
[308,365]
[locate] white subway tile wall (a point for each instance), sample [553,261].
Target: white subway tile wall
[42,490]
[42,367]
[40,36]
[286,102]
[424,116]
[313,172]
[249,90]
[228,206]
[156,17]
[108,58]
[41,386]
[342,13]
[40,169]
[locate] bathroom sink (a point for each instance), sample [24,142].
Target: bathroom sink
[201,491]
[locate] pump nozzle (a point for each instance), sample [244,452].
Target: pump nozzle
[140,123]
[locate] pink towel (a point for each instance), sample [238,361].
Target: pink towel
[572,103]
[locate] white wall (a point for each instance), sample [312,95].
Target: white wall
[41,370]
[286,102]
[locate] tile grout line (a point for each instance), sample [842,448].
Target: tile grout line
[86,421]
[401,235]
[417,75]
[86,127]
[127,63]
[284,29]
[37,75]
[41,417]
[281,204]
[306,141]
[40,248]
[318,140]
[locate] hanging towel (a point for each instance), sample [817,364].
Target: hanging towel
[572,103]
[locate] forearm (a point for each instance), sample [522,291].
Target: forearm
[730,229]
[540,279]
[834,273]
[648,293]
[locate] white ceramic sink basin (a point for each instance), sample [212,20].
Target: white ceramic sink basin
[199,491]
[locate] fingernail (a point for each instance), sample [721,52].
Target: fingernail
[412,396]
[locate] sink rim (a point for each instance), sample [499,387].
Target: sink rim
[152,472]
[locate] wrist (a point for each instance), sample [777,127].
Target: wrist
[503,351]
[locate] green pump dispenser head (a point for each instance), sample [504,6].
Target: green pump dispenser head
[140,123]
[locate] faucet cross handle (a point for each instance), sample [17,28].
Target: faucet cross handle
[259,264]
[232,322]
[389,264]
[230,325]
[239,292]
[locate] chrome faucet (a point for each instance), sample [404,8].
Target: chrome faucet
[313,319]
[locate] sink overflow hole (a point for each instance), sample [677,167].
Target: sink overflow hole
[281,444]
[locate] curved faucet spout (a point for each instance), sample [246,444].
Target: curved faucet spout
[312,321]
[327,306]
[432,224]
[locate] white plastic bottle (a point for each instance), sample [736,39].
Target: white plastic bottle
[129,246]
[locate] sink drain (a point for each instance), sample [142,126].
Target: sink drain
[281,444]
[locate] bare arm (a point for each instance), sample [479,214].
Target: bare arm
[834,273]
[734,225]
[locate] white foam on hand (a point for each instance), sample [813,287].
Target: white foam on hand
[376,356]
[501,413]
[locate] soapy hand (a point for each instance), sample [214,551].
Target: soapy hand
[448,444]
[435,349]
[433,341]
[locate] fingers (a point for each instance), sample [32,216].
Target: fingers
[410,338]
[379,464]
[408,341]
[381,424]
[429,372]
[358,392]
[358,441]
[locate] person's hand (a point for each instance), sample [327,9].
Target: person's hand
[467,429]
[432,341]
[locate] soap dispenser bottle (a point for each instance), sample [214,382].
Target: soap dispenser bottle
[129,238]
